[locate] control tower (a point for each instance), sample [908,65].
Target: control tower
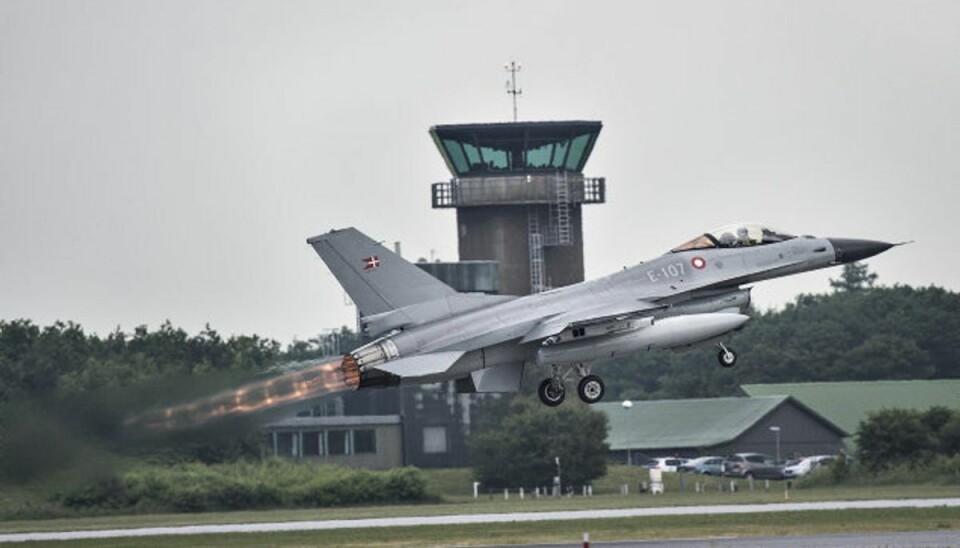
[518,189]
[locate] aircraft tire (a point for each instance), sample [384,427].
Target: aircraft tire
[727,358]
[590,389]
[549,395]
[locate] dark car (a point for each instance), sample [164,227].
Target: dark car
[752,465]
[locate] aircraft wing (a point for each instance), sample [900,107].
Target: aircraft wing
[595,315]
[421,365]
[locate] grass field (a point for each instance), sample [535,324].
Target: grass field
[770,524]
[454,488]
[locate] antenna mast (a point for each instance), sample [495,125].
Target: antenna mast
[513,67]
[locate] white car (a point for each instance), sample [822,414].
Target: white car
[667,464]
[806,465]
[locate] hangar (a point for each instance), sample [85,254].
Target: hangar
[718,426]
[848,403]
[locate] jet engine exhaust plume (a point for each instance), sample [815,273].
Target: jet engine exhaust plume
[305,383]
[351,372]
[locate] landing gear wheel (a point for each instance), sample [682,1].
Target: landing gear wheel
[727,357]
[551,392]
[590,389]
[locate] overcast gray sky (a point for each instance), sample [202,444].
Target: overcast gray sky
[168,159]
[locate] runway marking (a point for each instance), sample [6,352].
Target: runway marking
[479,518]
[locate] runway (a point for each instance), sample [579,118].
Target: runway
[478,518]
[914,539]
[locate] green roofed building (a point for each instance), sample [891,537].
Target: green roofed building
[717,426]
[847,403]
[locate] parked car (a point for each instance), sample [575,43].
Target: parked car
[802,467]
[752,465]
[667,464]
[711,465]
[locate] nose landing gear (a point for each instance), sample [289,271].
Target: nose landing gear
[727,357]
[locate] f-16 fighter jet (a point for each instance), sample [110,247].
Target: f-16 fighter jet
[426,332]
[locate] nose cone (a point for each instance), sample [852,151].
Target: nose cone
[848,251]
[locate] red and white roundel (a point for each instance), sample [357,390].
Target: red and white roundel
[698,262]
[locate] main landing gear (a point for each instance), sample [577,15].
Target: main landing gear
[727,357]
[552,391]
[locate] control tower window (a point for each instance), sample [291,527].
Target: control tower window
[477,150]
[473,154]
[560,153]
[551,156]
[540,157]
[493,158]
[456,155]
[577,147]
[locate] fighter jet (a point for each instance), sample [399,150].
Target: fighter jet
[424,331]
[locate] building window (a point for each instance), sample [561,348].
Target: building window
[311,444]
[435,439]
[364,441]
[337,442]
[285,444]
[325,409]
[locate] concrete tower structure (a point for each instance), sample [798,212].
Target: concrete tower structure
[518,189]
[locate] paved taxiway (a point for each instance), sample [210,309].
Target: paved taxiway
[478,518]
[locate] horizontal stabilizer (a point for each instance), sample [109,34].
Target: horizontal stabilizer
[422,365]
[581,318]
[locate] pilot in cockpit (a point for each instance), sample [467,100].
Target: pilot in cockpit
[743,237]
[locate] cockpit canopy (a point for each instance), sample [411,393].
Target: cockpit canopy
[736,235]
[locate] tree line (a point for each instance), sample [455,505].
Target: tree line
[65,394]
[63,358]
[858,332]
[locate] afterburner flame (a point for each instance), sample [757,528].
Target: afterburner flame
[350,371]
[309,382]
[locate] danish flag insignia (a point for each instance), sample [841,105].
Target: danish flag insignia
[369,263]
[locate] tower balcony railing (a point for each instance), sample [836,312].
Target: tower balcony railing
[518,190]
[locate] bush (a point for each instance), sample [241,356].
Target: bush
[103,492]
[271,483]
[405,484]
[939,470]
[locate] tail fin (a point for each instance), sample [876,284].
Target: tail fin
[377,279]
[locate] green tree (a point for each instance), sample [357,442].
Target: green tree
[855,277]
[907,436]
[519,447]
[880,333]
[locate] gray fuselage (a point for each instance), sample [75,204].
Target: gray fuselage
[491,336]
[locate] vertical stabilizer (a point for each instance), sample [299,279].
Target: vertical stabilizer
[377,279]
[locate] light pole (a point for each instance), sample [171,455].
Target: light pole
[776,432]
